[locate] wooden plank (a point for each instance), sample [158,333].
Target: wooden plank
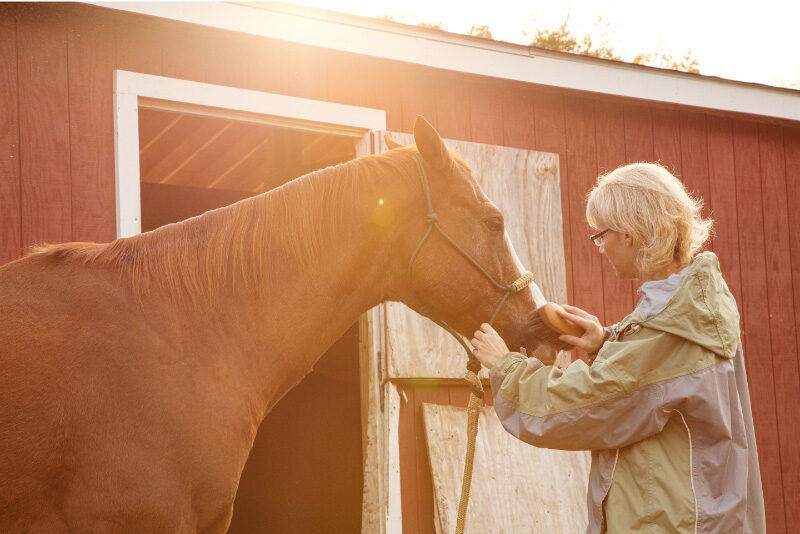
[694,157]
[582,162]
[306,76]
[268,62]
[547,492]
[223,154]
[638,146]
[610,127]
[791,139]
[91,126]
[374,496]
[226,60]
[426,394]
[524,185]
[519,117]
[667,139]
[486,112]
[176,145]
[786,375]
[418,94]
[453,113]
[459,394]
[138,42]
[153,124]
[722,191]
[757,344]
[184,48]
[550,133]
[359,81]
[10,234]
[408,458]
[43,125]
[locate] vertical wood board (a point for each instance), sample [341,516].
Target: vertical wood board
[756,339]
[781,308]
[91,66]
[582,162]
[44,125]
[10,235]
[516,487]
[610,127]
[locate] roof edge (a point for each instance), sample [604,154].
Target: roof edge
[475,55]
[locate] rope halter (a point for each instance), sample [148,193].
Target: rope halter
[433,223]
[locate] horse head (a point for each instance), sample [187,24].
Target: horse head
[441,282]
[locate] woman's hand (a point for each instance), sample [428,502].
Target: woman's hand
[489,346]
[593,336]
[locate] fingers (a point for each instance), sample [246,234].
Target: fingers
[572,340]
[486,327]
[577,311]
[578,320]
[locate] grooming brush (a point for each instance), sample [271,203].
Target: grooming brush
[548,324]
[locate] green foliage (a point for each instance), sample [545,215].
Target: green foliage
[434,25]
[659,59]
[481,31]
[563,39]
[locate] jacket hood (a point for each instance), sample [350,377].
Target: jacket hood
[702,309]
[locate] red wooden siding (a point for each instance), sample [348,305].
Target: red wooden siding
[57,178]
[10,233]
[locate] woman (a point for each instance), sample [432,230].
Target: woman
[664,406]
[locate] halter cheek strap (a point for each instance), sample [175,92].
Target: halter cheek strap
[433,223]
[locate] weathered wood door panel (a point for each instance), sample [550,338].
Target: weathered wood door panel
[399,347]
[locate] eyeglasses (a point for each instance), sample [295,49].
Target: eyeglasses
[597,238]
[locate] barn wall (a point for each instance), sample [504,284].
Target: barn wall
[57,176]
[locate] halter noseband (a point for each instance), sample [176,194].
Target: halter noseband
[433,222]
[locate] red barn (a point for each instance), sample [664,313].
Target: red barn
[118,118]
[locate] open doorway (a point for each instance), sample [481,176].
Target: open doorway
[304,473]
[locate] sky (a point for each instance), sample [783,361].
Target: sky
[757,42]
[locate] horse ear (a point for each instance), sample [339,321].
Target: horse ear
[430,145]
[391,143]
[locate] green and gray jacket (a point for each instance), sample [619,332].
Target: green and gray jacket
[664,408]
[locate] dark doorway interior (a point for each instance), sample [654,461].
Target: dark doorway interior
[304,473]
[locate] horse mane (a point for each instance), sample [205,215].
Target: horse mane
[237,244]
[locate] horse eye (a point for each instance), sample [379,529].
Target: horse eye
[495,224]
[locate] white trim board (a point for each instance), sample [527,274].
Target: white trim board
[475,56]
[133,90]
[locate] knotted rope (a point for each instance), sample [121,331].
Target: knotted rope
[473,411]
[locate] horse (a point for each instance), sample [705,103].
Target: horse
[134,374]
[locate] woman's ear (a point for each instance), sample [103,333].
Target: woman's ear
[628,239]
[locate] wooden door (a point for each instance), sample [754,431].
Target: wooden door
[412,370]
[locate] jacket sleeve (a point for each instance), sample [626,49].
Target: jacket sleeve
[626,395]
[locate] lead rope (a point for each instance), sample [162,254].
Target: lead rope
[473,410]
[473,365]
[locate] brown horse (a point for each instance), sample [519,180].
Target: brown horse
[134,374]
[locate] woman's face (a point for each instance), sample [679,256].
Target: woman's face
[618,248]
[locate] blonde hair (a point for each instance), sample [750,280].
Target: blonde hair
[648,202]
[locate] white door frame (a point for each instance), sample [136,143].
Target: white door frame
[134,90]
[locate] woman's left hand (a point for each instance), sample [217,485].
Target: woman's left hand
[489,346]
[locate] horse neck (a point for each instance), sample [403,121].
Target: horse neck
[278,278]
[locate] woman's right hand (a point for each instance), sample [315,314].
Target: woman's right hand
[593,335]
